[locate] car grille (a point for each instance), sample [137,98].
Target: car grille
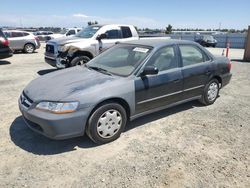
[25,100]
[50,48]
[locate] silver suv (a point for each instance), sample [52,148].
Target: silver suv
[22,40]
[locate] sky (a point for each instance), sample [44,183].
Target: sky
[141,13]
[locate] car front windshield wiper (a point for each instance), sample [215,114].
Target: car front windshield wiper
[98,69]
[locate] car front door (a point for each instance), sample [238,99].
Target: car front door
[113,35]
[196,70]
[164,88]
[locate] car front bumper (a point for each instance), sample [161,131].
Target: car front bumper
[5,53]
[55,126]
[53,60]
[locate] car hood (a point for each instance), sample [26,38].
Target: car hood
[60,84]
[66,40]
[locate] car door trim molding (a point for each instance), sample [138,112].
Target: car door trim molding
[152,99]
[170,94]
[163,107]
[192,88]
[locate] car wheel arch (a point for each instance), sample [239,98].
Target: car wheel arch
[83,53]
[217,78]
[118,100]
[29,43]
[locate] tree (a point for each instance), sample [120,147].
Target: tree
[168,29]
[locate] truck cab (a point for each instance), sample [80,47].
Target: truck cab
[86,44]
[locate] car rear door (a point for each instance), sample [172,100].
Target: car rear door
[16,40]
[196,70]
[165,88]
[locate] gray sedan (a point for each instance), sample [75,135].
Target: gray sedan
[125,82]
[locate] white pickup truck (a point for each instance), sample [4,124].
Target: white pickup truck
[65,32]
[88,43]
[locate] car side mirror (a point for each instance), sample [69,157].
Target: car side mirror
[101,36]
[149,70]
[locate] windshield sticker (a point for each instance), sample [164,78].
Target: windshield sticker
[142,50]
[95,28]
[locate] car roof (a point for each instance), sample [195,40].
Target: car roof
[157,43]
[11,30]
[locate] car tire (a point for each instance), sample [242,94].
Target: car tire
[210,93]
[106,123]
[80,60]
[29,48]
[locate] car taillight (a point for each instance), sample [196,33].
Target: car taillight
[4,41]
[229,65]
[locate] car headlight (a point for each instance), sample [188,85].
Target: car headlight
[62,48]
[58,107]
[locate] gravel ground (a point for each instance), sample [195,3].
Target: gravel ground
[185,146]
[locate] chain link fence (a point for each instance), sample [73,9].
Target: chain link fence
[236,40]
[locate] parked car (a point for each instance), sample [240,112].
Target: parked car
[127,81]
[65,33]
[79,49]
[5,50]
[207,41]
[43,35]
[22,40]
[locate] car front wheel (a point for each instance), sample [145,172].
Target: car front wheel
[210,93]
[79,60]
[106,123]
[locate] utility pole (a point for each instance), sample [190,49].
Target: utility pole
[247,47]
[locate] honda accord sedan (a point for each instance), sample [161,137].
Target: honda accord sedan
[123,83]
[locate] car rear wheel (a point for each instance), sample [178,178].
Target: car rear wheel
[29,48]
[79,60]
[210,93]
[106,123]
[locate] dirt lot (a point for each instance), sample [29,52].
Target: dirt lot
[185,146]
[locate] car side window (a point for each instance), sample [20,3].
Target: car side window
[164,59]
[113,34]
[16,34]
[71,32]
[7,34]
[25,34]
[126,32]
[191,55]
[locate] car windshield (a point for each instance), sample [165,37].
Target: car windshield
[88,32]
[208,37]
[121,59]
[2,34]
[63,31]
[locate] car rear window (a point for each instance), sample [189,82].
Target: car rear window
[25,34]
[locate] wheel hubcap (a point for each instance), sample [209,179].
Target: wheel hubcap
[109,123]
[29,48]
[81,62]
[212,91]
